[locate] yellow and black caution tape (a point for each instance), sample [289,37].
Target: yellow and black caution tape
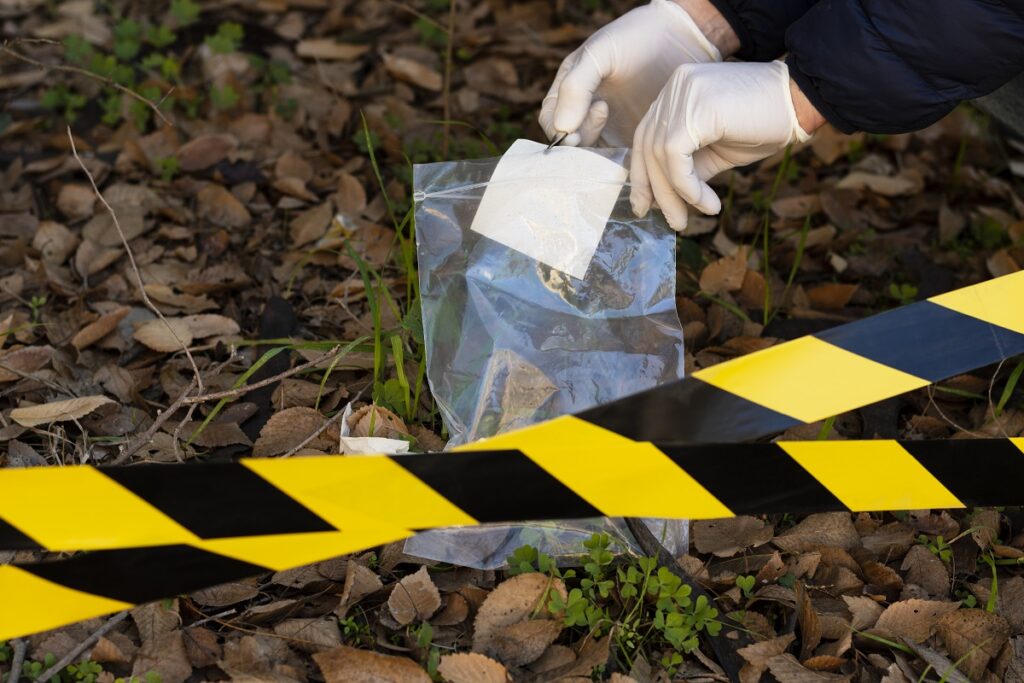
[163,530]
[159,530]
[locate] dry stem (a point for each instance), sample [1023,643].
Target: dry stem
[198,378]
[5,48]
[83,646]
[17,660]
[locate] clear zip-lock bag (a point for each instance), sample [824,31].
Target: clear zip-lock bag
[542,295]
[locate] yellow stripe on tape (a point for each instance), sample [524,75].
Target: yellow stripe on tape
[29,604]
[871,475]
[999,301]
[809,379]
[106,516]
[588,459]
[283,551]
[366,488]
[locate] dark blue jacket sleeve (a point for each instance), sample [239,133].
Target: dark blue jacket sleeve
[761,24]
[892,66]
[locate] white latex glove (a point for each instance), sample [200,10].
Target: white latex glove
[603,89]
[708,118]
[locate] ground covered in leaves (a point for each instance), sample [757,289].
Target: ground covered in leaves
[257,158]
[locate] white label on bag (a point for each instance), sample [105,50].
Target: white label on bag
[552,205]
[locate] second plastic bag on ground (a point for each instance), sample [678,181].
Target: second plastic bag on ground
[566,303]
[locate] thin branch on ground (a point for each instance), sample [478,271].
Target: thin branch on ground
[82,646]
[17,660]
[5,48]
[323,428]
[239,391]
[135,270]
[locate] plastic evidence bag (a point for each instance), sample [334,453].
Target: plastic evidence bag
[542,295]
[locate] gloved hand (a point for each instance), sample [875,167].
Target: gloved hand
[709,118]
[604,88]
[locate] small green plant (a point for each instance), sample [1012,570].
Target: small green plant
[32,670]
[227,39]
[938,546]
[185,12]
[36,304]
[148,677]
[355,631]
[746,584]
[645,606]
[903,293]
[5,652]
[223,97]
[84,672]
[62,100]
[169,167]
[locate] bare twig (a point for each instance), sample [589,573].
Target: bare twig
[323,428]
[83,646]
[239,391]
[135,269]
[447,96]
[17,660]
[155,106]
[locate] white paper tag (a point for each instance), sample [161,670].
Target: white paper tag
[552,205]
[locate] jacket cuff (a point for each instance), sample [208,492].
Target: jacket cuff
[726,9]
[810,90]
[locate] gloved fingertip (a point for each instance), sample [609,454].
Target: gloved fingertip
[675,221]
[571,140]
[640,204]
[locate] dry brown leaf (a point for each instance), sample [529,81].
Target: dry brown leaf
[414,598]
[16,364]
[513,601]
[787,669]
[310,225]
[227,593]
[807,618]
[455,611]
[472,667]
[865,611]
[165,655]
[220,207]
[1001,263]
[752,621]
[948,671]
[889,541]
[986,526]
[881,578]
[76,201]
[164,335]
[310,635]
[203,647]
[1009,599]
[726,274]
[824,663]
[973,637]
[91,258]
[888,186]
[829,144]
[349,665]
[758,655]
[102,230]
[54,242]
[360,581]
[99,328]
[58,411]
[374,420]
[210,325]
[107,652]
[329,49]
[823,529]
[188,303]
[831,296]
[914,620]
[205,151]
[412,72]
[288,428]
[291,165]
[524,642]
[726,537]
[926,570]
[799,206]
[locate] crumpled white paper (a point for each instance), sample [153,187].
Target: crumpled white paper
[552,205]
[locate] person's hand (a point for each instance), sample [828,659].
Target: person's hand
[709,118]
[604,88]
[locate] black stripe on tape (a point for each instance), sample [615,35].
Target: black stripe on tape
[12,538]
[688,411]
[497,486]
[139,575]
[754,478]
[214,500]
[977,471]
[926,340]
